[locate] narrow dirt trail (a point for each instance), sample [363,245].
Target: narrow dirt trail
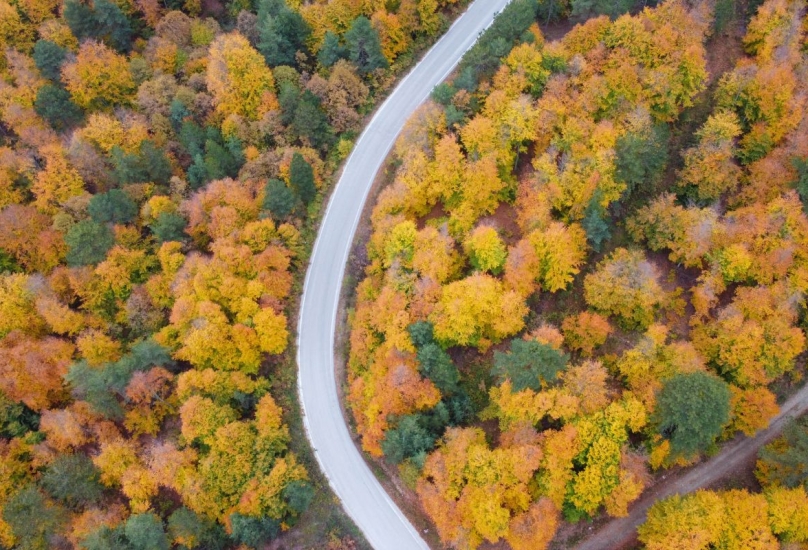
[621,531]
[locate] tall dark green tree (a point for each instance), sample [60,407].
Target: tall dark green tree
[254,532]
[364,46]
[145,532]
[157,165]
[310,122]
[331,50]
[49,58]
[15,418]
[433,361]
[114,206]
[88,243]
[298,494]
[595,222]
[279,200]
[529,364]
[801,184]
[104,21]
[691,411]
[55,105]
[641,157]
[74,480]
[33,519]
[282,32]
[301,178]
[169,226]
[408,439]
[106,538]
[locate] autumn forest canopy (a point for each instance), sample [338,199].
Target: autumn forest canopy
[161,165]
[589,267]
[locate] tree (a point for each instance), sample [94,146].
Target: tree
[331,50]
[625,284]
[586,331]
[57,183]
[534,529]
[238,78]
[477,311]
[88,243]
[435,364]
[641,156]
[27,235]
[560,250]
[114,207]
[301,178]
[145,532]
[105,538]
[310,123]
[408,439]
[169,226]
[753,340]
[74,480]
[709,166]
[595,222]
[15,418]
[98,78]
[31,370]
[279,200]
[529,364]
[689,522]
[189,529]
[49,58]
[105,22]
[33,519]
[103,386]
[783,462]
[728,519]
[601,7]
[692,409]
[788,509]
[55,106]
[486,250]
[282,32]
[298,494]
[364,46]
[471,491]
[253,532]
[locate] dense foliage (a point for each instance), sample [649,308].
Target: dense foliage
[517,262]
[159,164]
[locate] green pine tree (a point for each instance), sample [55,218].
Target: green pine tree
[364,46]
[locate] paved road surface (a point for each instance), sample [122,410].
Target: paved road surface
[621,531]
[382,523]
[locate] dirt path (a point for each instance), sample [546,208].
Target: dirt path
[622,531]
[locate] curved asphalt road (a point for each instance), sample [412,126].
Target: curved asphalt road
[382,523]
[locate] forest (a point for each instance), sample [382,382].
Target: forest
[588,269]
[161,167]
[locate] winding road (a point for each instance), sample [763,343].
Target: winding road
[362,496]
